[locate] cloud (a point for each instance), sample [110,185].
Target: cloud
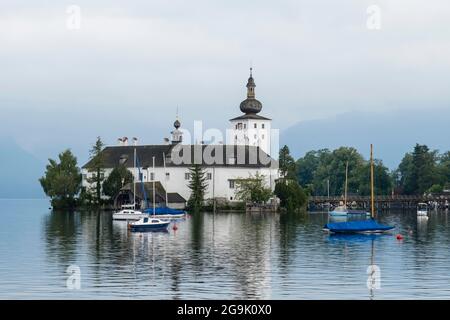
[312,59]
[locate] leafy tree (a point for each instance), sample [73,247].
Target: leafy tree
[197,185]
[253,189]
[424,162]
[118,177]
[62,181]
[435,188]
[291,195]
[287,165]
[418,171]
[444,170]
[383,180]
[96,167]
[404,173]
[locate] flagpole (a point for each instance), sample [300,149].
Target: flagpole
[372,195]
[154,193]
[165,177]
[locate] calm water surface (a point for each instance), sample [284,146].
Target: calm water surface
[222,256]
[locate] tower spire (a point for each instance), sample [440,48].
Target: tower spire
[251,85]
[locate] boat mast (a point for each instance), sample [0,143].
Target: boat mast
[134,182]
[346,179]
[165,177]
[154,193]
[372,196]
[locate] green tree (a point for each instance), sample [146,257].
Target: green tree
[197,185]
[332,167]
[253,189]
[383,180]
[444,170]
[286,163]
[291,195]
[96,168]
[62,181]
[118,177]
[418,171]
[404,175]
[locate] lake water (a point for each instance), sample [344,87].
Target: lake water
[221,256]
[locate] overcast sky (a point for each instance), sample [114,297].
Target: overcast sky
[132,63]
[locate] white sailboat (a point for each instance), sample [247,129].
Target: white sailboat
[342,210]
[129,212]
[149,222]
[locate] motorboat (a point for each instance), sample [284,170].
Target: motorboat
[149,223]
[422,209]
[128,214]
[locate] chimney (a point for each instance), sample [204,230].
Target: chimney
[119,141]
[125,141]
[135,141]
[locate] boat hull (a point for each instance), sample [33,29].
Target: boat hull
[150,227]
[128,217]
[347,213]
[366,226]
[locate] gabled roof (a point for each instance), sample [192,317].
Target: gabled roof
[220,155]
[251,116]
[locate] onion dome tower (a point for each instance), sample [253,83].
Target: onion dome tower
[251,105]
[177,134]
[251,128]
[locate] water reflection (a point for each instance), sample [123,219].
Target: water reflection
[256,256]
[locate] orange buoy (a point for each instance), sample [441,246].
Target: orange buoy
[399,237]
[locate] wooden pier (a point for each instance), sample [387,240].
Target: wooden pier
[381,202]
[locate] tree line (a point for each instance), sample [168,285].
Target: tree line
[420,171]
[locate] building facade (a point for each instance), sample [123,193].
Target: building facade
[169,164]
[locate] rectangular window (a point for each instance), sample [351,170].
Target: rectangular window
[231,184]
[167,175]
[255,126]
[263,137]
[245,126]
[209,176]
[187,176]
[262,126]
[152,176]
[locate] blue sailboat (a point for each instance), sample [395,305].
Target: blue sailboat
[160,212]
[361,226]
[150,223]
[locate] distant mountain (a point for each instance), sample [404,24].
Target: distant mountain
[393,134]
[19,172]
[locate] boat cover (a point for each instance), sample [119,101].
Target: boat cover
[369,225]
[163,210]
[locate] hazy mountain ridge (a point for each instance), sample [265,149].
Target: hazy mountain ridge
[19,172]
[392,134]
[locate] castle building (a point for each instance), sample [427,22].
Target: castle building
[251,128]
[248,154]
